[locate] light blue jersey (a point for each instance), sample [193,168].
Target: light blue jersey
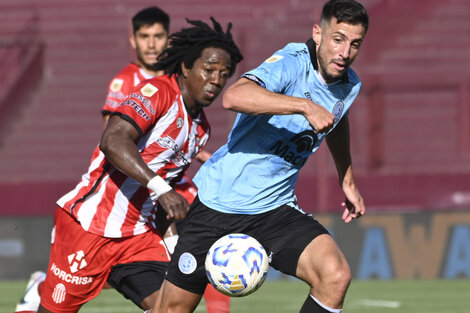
[257,169]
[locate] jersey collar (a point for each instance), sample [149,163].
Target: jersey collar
[313,58]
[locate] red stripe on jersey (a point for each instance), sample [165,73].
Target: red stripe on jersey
[133,213]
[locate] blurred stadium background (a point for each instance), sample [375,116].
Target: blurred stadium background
[410,126]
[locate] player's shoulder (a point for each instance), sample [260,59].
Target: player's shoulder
[293,53]
[157,86]
[294,50]
[128,70]
[123,80]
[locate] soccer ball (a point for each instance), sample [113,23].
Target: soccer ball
[236,265]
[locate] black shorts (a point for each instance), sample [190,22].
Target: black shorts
[283,232]
[136,281]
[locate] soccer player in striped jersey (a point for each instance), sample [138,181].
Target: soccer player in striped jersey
[150,31]
[286,107]
[105,229]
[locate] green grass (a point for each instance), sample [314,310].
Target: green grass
[417,296]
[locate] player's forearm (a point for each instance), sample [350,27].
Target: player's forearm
[339,145]
[123,154]
[247,97]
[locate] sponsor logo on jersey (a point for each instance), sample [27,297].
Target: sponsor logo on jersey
[338,110]
[274,58]
[112,104]
[146,102]
[298,52]
[116,95]
[187,263]
[69,278]
[116,84]
[77,261]
[180,159]
[137,108]
[59,293]
[297,149]
[148,90]
[168,143]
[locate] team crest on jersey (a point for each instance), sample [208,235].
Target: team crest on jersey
[274,58]
[148,90]
[338,110]
[59,293]
[116,85]
[179,122]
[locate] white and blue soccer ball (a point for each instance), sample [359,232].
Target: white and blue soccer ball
[236,265]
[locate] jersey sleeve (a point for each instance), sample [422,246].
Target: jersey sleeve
[145,104]
[118,89]
[278,72]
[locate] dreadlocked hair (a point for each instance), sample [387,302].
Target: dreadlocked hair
[187,45]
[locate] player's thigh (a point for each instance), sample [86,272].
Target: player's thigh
[285,233]
[322,261]
[175,299]
[78,266]
[139,281]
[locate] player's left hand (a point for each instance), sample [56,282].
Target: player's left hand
[353,205]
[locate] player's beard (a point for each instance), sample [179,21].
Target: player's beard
[328,77]
[148,66]
[151,67]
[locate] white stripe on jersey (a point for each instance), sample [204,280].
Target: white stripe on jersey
[87,212]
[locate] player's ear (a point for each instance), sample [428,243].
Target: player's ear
[132,41]
[316,34]
[185,70]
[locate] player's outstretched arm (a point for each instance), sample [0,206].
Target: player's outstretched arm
[339,145]
[246,96]
[118,143]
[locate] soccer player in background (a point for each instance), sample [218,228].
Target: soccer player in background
[287,106]
[105,229]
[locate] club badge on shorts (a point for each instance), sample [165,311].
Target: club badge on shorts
[187,263]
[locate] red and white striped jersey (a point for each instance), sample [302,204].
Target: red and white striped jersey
[109,203]
[122,85]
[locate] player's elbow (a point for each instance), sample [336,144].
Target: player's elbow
[229,99]
[105,144]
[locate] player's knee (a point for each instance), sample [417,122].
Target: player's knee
[337,275]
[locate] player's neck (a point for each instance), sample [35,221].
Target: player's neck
[152,73]
[149,71]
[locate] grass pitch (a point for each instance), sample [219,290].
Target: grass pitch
[284,296]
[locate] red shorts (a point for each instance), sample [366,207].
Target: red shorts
[80,261]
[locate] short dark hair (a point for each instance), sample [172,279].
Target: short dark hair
[347,11]
[150,16]
[186,46]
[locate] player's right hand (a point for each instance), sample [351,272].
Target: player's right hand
[320,118]
[174,204]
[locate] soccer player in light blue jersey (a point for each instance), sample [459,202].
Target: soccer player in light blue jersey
[287,106]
